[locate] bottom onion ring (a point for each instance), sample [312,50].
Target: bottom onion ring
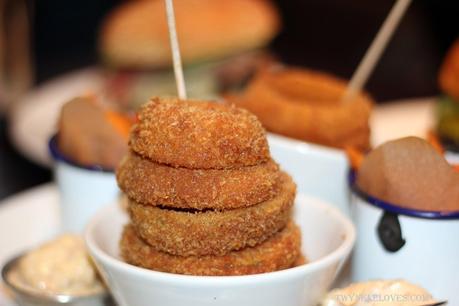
[277,253]
[213,232]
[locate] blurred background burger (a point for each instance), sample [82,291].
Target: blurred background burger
[221,42]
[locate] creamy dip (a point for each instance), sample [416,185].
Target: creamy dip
[379,293]
[61,266]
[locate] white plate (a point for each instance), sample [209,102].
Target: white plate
[26,219]
[33,120]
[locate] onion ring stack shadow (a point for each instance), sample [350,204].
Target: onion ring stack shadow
[204,195]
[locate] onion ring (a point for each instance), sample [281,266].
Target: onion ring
[277,253]
[199,135]
[306,105]
[193,233]
[151,183]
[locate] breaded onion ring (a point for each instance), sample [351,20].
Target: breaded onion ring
[277,253]
[187,233]
[151,183]
[199,135]
[306,105]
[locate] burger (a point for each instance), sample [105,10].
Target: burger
[221,42]
[448,104]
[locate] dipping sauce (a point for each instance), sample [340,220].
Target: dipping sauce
[61,266]
[379,293]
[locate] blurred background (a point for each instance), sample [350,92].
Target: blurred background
[44,39]
[323,34]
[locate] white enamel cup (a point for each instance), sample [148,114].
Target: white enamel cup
[83,190]
[317,170]
[452,157]
[394,242]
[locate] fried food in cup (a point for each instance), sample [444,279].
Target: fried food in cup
[192,233]
[277,253]
[199,135]
[410,173]
[148,182]
[307,105]
[88,136]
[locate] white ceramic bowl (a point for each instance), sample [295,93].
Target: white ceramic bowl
[317,170]
[394,242]
[83,190]
[327,239]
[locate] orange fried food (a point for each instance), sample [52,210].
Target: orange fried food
[120,122]
[151,183]
[355,157]
[278,252]
[432,138]
[306,105]
[199,135]
[409,172]
[449,72]
[86,135]
[191,233]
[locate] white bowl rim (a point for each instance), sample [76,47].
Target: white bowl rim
[301,145]
[342,251]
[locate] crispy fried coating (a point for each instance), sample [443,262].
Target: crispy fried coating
[199,135]
[191,233]
[306,105]
[279,252]
[151,183]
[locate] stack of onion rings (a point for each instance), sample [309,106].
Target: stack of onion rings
[205,197]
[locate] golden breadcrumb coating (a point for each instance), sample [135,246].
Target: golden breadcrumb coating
[151,183]
[277,253]
[191,233]
[199,135]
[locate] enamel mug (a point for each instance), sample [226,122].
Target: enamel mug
[394,242]
[83,190]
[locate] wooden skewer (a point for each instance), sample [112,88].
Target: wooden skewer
[176,59]
[377,47]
